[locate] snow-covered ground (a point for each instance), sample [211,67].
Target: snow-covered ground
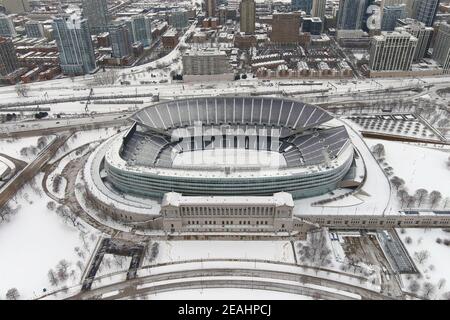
[13,147]
[62,188]
[170,251]
[433,269]
[230,157]
[34,241]
[420,167]
[113,263]
[83,137]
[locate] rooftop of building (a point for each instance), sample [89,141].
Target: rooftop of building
[278,199]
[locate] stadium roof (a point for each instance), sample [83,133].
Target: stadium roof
[232,110]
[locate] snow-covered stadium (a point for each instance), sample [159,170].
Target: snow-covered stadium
[228,146]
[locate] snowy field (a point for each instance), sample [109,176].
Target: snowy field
[225,294]
[420,167]
[16,147]
[83,137]
[34,241]
[112,263]
[170,251]
[435,268]
[232,158]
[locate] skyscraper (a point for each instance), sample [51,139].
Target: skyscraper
[210,8]
[15,6]
[351,14]
[142,29]
[285,28]
[179,19]
[441,50]
[8,57]
[7,26]
[74,42]
[96,11]
[318,8]
[302,5]
[390,16]
[418,30]
[247,9]
[34,29]
[392,51]
[425,11]
[120,40]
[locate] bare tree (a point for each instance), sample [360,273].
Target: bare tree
[409,201]
[402,195]
[414,286]
[67,214]
[421,256]
[408,240]
[24,152]
[80,265]
[62,270]
[6,212]
[52,277]
[379,150]
[441,283]
[421,195]
[435,198]
[12,294]
[119,260]
[428,289]
[51,205]
[57,181]
[397,182]
[21,90]
[42,142]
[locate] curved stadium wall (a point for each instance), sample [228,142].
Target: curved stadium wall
[153,179]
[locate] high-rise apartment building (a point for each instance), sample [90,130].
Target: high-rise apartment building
[120,40]
[179,19]
[7,26]
[34,29]
[318,8]
[8,57]
[16,6]
[313,25]
[285,28]
[441,50]
[205,62]
[247,10]
[210,8]
[425,11]
[390,16]
[142,29]
[96,12]
[74,42]
[420,31]
[351,14]
[392,51]
[302,5]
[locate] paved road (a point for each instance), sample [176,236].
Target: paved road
[46,127]
[19,180]
[178,280]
